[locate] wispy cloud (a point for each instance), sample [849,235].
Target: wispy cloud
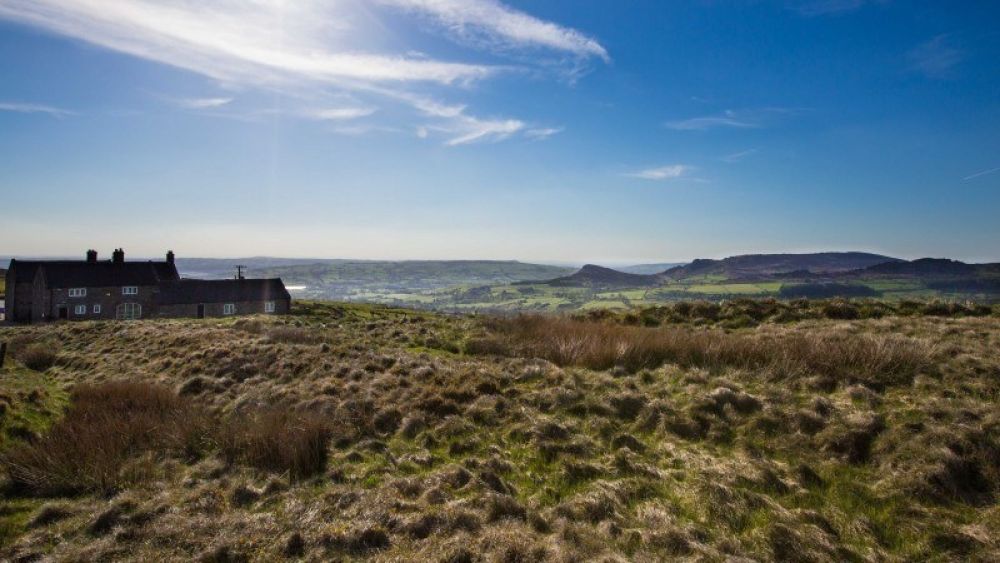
[732,119]
[935,58]
[202,103]
[19,107]
[542,133]
[981,174]
[363,129]
[490,22]
[460,127]
[340,114]
[310,45]
[813,8]
[738,156]
[670,172]
[709,122]
[232,40]
[474,130]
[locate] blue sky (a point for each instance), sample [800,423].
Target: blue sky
[569,130]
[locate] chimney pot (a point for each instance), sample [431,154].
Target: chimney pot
[91,256]
[118,256]
[170,257]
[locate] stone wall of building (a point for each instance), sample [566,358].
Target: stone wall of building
[109,298]
[281,307]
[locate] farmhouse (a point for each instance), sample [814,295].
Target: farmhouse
[115,289]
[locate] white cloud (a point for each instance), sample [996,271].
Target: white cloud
[262,42]
[474,130]
[363,129]
[738,156]
[734,119]
[202,103]
[542,133]
[981,174]
[491,22]
[935,58]
[813,8]
[18,107]
[671,172]
[709,122]
[312,50]
[462,128]
[344,113]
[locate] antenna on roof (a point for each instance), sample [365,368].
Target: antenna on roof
[239,271]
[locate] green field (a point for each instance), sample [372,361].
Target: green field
[542,297]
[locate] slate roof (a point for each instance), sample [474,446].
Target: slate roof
[187,292]
[79,273]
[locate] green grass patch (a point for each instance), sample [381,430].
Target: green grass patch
[30,402]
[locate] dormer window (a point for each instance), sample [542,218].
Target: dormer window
[78,292]
[130,290]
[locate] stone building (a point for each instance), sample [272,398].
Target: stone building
[217,298]
[92,289]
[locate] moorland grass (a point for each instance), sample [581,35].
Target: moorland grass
[112,433]
[880,359]
[868,439]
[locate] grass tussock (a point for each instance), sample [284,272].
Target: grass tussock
[35,354]
[99,443]
[112,435]
[601,345]
[749,312]
[277,440]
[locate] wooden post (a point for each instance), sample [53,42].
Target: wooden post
[3,353]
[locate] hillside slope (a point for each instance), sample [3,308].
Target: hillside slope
[752,265]
[451,439]
[931,267]
[599,276]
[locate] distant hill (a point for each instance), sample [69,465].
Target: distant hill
[926,267]
[599,276]
[649,269]
[366,280]
[756,265]
[226,267]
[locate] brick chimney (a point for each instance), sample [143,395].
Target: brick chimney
[91,256]
[170,257]
[118,256]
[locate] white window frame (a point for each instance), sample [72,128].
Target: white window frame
[77,292]
[128,311]
[130,290]
[229,309]
[269,306]
[80,310]
[97,308]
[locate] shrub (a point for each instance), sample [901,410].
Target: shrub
[277,440]
[38,357]
[35,354]
[842,310]
[97,446]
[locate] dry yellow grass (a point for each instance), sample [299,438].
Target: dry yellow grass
[868,440]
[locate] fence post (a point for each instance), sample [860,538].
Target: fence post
[3,353]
